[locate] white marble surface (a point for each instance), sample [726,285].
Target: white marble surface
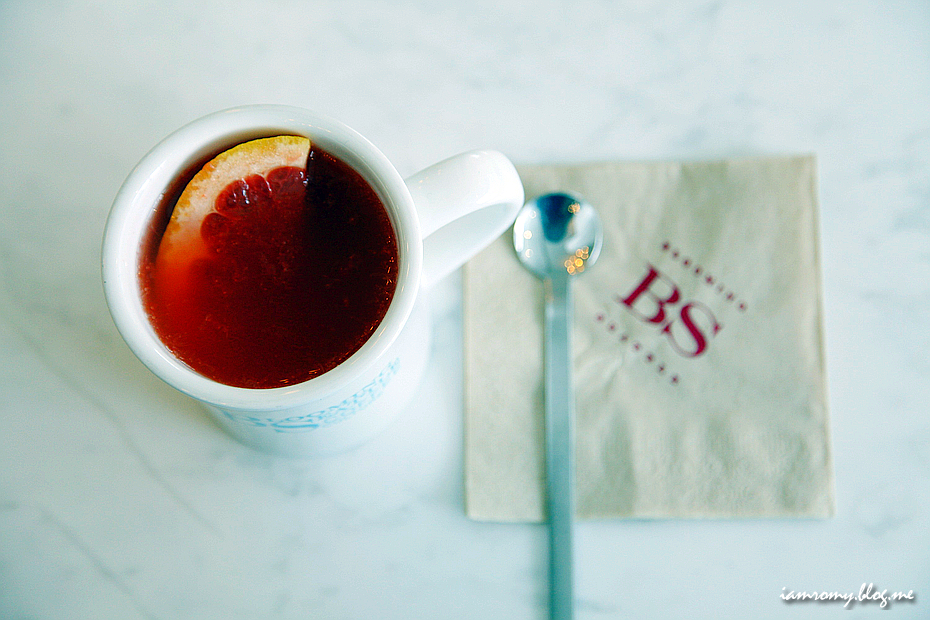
[120,499]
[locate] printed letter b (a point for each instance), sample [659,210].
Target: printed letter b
[645,303]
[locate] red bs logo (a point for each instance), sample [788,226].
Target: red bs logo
[656,300]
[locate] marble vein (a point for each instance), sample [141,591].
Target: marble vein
[82,547]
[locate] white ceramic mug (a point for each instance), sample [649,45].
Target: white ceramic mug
[442,216]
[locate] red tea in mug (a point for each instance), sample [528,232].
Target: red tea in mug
[286,276]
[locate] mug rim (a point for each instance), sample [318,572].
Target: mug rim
[137,201]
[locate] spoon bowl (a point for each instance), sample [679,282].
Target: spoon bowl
[557,233]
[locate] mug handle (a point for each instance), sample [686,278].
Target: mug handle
[464,203]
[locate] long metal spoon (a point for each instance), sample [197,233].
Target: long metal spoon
[558,236]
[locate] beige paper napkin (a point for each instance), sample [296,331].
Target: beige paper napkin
[698,349]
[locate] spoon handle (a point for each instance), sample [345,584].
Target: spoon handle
[560,445]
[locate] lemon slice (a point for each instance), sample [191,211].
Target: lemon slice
[182,242]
